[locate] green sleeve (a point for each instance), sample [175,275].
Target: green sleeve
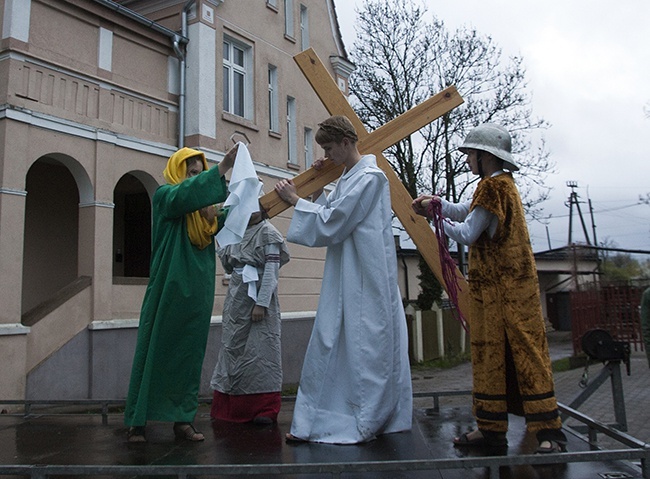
[206,188]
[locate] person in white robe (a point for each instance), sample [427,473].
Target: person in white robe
[355,382]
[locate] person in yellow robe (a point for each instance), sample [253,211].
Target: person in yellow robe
[510,359]
[177,306]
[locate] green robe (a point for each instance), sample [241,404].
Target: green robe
[177,307]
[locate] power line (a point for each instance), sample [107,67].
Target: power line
[595,211]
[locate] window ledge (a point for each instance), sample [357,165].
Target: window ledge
[229,117]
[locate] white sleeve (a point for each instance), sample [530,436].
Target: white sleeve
[476,222]
[455,211]
[318,225]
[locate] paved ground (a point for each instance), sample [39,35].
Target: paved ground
[600,406]
[84,440]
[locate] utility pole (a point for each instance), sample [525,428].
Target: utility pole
[573,200]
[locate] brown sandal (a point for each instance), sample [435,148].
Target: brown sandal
[553,446]
[481,439]
[136,435]
[185,430]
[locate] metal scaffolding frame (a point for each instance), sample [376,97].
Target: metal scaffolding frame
[636,450]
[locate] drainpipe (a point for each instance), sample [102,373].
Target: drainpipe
[182,74]
[178,43]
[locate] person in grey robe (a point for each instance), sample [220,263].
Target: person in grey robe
[247,379]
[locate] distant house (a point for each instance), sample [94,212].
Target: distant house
[561,271]
[558,270]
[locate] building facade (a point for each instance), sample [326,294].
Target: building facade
[95,95]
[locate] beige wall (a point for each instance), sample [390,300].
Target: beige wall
[79,112]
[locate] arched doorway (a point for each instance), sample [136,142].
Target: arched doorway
[50,247]
[131,228]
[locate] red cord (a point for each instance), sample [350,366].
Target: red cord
[448,265]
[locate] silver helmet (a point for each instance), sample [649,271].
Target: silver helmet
[494,139]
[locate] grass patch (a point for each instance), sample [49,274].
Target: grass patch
[289,389]
[441,363]
[561,365]
[567,364]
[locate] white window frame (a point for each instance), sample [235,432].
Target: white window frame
[304,27]
[230,70]
[291,131]
[309,147]
[274,123]
[288,19]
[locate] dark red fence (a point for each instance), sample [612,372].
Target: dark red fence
[612,308]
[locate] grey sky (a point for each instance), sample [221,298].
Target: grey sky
[588,68]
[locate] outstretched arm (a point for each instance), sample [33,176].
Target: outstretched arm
[228,160]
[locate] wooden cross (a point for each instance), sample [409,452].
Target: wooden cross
[375,143]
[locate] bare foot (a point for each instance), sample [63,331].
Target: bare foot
[291,438]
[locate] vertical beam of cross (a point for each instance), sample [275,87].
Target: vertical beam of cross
[375,143]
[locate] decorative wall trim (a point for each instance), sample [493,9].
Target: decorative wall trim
[12,329]
[80,130]
[11,191]
[111,324]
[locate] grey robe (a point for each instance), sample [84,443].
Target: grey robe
[249,360]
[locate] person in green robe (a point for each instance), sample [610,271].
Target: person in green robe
[177,306]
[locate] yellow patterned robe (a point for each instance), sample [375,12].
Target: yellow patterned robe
[511,363]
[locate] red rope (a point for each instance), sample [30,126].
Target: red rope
[448,265]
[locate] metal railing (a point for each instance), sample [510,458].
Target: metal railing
[637,450]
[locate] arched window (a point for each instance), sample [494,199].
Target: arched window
[131,228]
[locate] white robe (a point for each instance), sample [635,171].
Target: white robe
[356,380]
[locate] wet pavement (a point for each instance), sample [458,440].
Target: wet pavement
[84,441]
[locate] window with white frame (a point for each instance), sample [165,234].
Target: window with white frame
[304,28]
[309,147]
[288,18]
[273,99]
[291,130]
[237,78]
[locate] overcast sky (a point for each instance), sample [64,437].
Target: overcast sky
[588,69]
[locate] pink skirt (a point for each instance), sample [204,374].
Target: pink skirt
[245,407]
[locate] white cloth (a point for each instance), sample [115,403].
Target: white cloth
[356,380]
[250,277]
[243,198]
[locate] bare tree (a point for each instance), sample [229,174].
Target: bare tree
[402,59]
